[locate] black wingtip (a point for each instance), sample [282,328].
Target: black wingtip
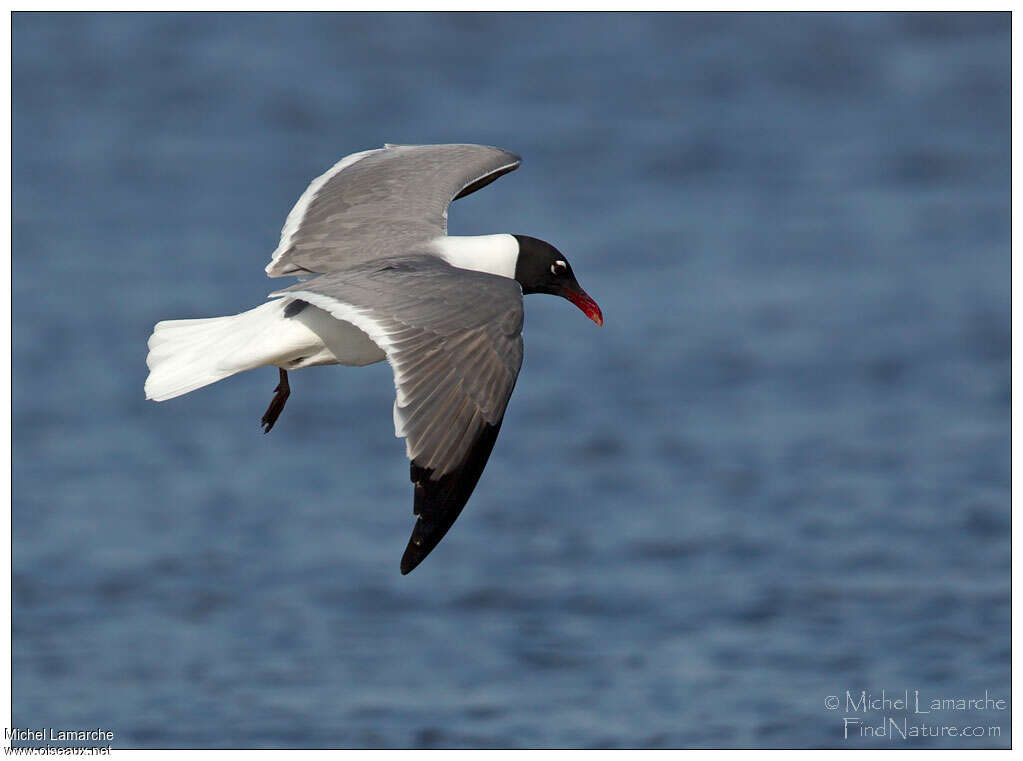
[437,503]
[482,182]
[408,563]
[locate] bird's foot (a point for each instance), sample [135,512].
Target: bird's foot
[281,394]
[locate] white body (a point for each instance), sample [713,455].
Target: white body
[188,354]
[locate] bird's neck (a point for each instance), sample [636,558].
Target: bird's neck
[496,254]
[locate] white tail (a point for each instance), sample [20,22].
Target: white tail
[188,354]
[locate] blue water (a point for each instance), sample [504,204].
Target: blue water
[781,471]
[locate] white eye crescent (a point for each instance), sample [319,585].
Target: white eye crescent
[559,268]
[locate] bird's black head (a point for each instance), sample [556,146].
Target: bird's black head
[541,268]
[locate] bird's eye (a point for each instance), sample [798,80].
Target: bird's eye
[559,268]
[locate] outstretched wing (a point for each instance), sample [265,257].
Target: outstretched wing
[453,339]
[383,202]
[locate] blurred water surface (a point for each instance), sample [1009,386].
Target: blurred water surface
[781,471]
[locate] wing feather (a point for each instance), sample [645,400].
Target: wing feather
[382,202]
[453,339]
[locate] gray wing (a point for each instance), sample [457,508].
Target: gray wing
[453,338]
[383,202]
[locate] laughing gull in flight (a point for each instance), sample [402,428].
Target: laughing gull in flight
[380,278]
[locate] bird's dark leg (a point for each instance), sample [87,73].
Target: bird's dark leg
[281,394]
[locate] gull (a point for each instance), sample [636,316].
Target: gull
[380,279]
